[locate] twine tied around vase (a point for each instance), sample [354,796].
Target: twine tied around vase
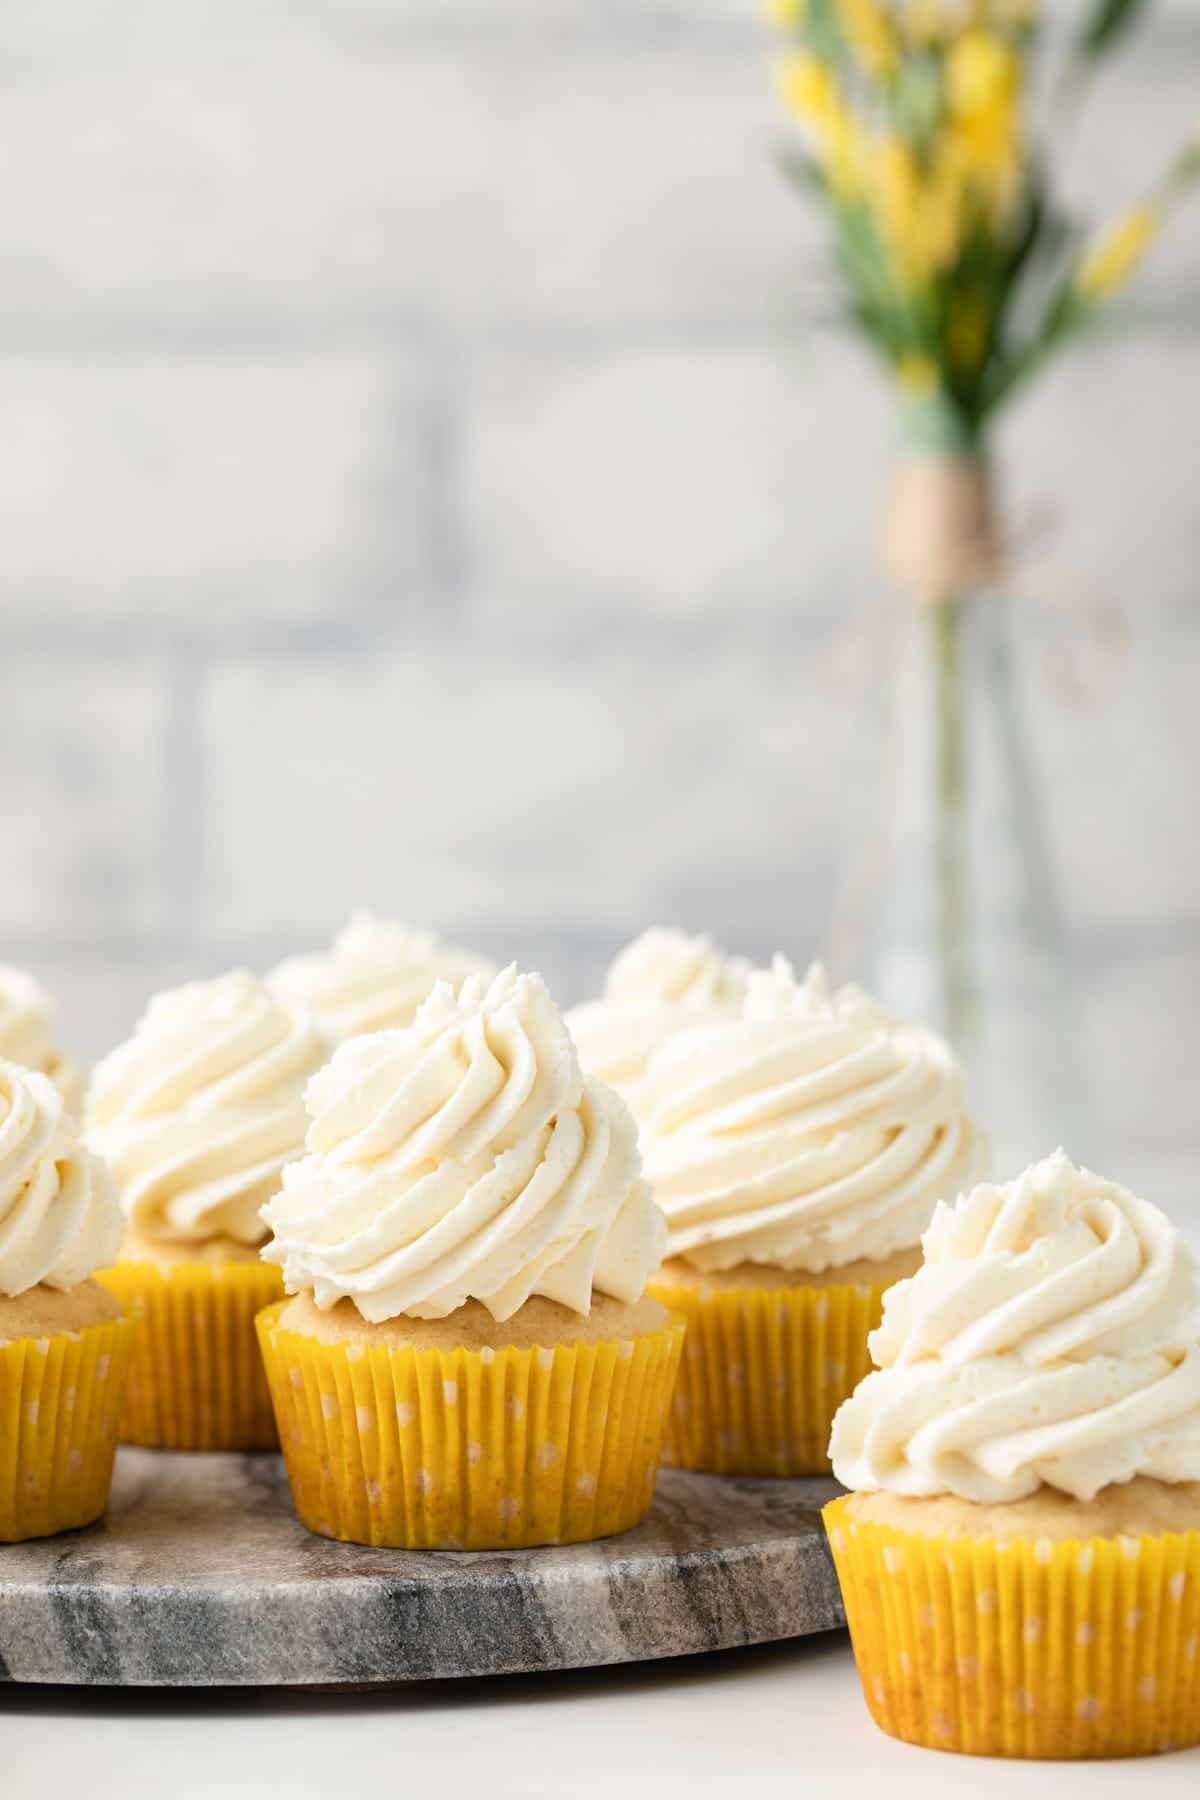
[943,541]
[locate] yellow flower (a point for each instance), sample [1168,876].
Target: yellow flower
[922,215]
[983,74]
[897,200]
[1012,15]
[946,203]
[983,91]
[806,87]
[867,28]
[926,21]
[1119,251]
[785,15]
[845,151]
[810,91]
[916,375]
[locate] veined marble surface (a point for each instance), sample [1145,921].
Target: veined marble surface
[201,1575]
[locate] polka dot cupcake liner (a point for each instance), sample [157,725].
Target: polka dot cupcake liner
[60,1400]
[1030,1648]
[196,1381]
[764,1370]
[470,1450]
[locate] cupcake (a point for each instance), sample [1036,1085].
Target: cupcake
[664,982]
[64,1344]
[373,977]
[196,1115]
[27,1036]
[798,1153]
[469,1360]
[1020,1558]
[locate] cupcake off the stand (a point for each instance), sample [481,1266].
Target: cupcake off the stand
[196,1115]
[798,1152]
[64,1343]
[1020,1555]
[469,1360]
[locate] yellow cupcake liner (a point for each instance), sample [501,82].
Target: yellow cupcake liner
[470,1450]
[1033,1648]
[60,1400]
[197,1381]
[764,1370]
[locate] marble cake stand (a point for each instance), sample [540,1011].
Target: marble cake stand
[201,1575]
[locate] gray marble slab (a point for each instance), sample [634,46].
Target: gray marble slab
[201,1575]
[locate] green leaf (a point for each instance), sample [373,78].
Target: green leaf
[1107,22]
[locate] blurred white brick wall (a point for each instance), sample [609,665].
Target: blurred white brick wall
[422,485]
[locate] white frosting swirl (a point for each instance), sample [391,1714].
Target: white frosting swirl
[665,981]
[59,1215]
[199,1111]
[374,976]
[466,1158]
[811,1132]
[1050,1337]
[26,1034]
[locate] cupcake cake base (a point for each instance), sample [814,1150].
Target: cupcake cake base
[769,1357]
[196,1381]
[63,1363]
[461,1434]
[1047,1628]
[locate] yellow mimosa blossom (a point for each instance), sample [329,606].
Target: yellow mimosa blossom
[916,375]
[806,87]
[983,89]
[845,151]
[867,28]
[1013,15]
[922,214]
[947,192]
[926,21]
[810,91]
[1119,251]
[983,74]
[897,201]
[785,15]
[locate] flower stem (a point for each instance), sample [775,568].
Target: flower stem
[950,845]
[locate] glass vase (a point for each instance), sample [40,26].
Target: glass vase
[950,910]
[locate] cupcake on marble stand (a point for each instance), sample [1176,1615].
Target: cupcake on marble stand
[64,1343]
[664,982]
[1020,1555]
[196,1116]
[798,1152]
[469,1360]
[373,977]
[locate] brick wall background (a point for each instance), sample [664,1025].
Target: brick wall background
[422,484]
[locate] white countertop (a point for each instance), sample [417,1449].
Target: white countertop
[788,1718]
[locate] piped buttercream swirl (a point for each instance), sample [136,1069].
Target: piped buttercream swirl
[463,1158]
[27,1037]
[374,976]
[199,1111]
[59,1216]
[812,1131]
[1049,1338]
[663,982]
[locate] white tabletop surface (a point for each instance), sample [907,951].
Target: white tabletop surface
[788,1718]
